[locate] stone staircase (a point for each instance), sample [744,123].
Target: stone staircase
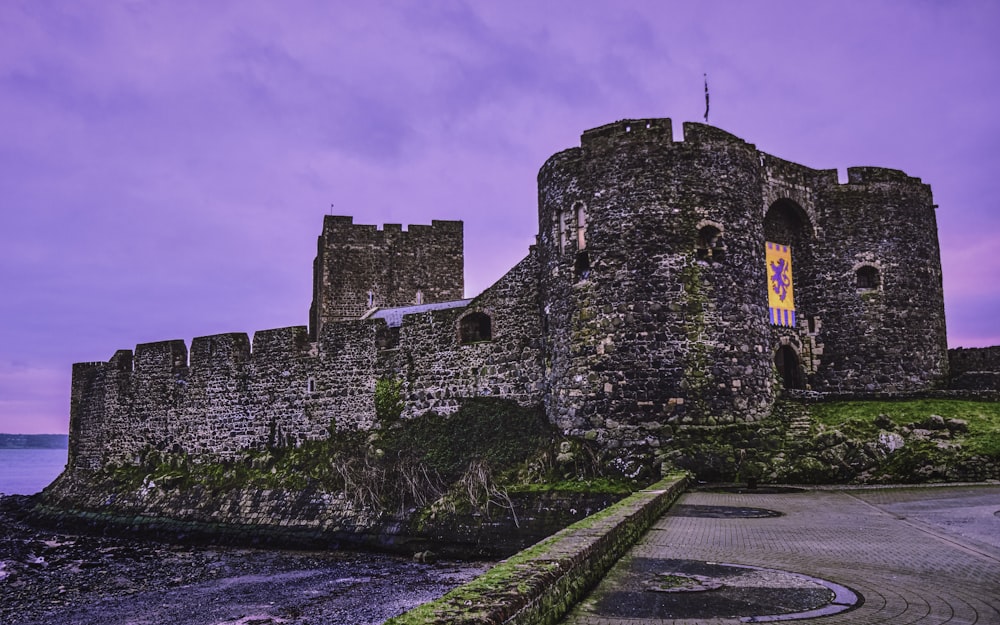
[798,422]
[798,429]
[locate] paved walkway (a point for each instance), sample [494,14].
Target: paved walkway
[914,555]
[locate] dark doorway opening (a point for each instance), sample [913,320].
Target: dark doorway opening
[789,369]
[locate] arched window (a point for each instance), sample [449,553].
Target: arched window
[711,247]
[474,328]
[867,277]
[581,226]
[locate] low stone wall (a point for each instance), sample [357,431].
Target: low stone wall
[308,519]
[964,359]
[975,368]
[539,585]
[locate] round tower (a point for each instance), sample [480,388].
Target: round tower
[652,282]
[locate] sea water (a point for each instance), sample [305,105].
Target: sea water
[28,471]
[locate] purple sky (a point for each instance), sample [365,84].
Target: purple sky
[165,166]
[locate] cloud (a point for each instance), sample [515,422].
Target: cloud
[166,165]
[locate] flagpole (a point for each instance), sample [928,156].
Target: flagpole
[706,98]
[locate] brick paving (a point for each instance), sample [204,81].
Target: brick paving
[916,555]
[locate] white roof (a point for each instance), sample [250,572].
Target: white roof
[394,316]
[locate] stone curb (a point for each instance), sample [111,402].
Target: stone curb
[539,585]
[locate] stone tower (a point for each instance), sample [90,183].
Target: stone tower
[654,285]
[360,267]
[653,280]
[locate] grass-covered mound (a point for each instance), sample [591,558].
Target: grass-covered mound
[918,440]
[979,435]
[903,441]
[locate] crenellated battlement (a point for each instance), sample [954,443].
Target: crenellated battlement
[209,352]
[344,226]
[219,350]
[654,129]
[698,134]
[280,343]
[876,175]
[161,356]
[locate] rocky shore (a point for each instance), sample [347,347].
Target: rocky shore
[49,577]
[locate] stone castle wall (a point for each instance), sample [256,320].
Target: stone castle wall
[888,335]
[227,398]
[230,396]
[643,306]
[439,369]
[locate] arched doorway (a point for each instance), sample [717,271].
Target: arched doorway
[787,223]
[789,369]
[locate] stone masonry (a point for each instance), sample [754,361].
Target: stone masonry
[643,304]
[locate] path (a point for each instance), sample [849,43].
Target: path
[914,555]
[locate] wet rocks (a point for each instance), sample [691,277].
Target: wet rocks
[48,577]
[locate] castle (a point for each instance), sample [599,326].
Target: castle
[671,282]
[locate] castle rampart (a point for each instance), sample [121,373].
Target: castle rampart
[643,309]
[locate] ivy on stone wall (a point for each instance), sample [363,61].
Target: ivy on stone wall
[388,399]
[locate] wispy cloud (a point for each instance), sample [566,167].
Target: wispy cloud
[165,165]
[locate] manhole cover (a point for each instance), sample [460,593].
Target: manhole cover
[722,512]
[652,588]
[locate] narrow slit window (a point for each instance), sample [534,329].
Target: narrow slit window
[563,230]
[582,266]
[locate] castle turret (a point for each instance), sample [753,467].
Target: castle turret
[657,263]
[879,289]
[360,267]
[653,281]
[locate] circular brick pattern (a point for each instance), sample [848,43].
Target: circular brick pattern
[652,588]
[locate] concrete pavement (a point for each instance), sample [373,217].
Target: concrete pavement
[928,555]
